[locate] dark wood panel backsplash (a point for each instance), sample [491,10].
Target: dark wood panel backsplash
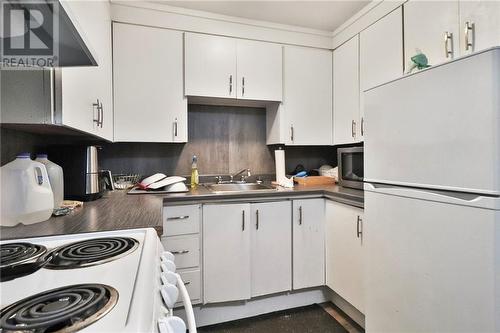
[225,139]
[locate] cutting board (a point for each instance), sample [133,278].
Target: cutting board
[314,180]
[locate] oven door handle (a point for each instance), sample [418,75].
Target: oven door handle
[188,307]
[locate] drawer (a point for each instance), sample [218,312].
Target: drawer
[186,250]
[180,220]
[192,281]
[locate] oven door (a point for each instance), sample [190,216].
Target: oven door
[350,162]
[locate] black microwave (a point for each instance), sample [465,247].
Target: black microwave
[350,163]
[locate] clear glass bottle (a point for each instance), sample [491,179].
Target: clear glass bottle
[195,179]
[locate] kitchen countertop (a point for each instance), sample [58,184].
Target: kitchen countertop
[114,211]
[202,194]
[117,210]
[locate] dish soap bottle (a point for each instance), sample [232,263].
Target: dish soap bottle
[195,180]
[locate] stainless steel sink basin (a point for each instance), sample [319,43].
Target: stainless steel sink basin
[239,187]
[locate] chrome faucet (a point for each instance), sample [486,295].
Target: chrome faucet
[242,176]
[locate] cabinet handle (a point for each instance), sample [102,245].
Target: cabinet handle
[362,126]
[257,219]
[448,44]
[182,217]
[180,252]
[300,215]
[101,113]
[243,86]
[95,106]
[187,283]
[359,228]
[230,84]
[291,133]
[175,127]
[353,128]
[468,33]
[243,220]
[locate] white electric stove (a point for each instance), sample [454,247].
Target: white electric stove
[117,281]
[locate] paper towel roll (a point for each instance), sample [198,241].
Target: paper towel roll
[279,157]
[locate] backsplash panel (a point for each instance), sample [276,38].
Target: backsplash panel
[225,139]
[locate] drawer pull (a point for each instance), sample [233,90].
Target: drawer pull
[182,217]
[180,252]
[187,283]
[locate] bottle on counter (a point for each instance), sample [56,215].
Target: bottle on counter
[26,195]
[195,179]
[56,178]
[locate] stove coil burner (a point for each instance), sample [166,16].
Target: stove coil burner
[17,253]
[66,309]
[20,259]
[90,252]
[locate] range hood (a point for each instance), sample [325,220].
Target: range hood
[73,49]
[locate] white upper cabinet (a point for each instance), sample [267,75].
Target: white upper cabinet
[479,25]
[308,243]
[86,102]
[432,27]
[381,50]
[210,66]
[271,247]
[148,84]
[259,71]
[307,99]
[344,252]
[346,92]
[232,68]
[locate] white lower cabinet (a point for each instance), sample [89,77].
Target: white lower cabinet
[192,281]
[246,249]
[271,243]
[308,243]
[226,252]
[181,236]
[344,252]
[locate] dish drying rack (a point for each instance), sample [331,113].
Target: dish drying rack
[125,181]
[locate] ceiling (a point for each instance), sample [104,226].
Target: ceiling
[322,15]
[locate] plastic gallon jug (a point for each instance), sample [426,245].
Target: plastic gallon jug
[26,194]
[56,178]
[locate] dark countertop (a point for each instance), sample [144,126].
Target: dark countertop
[114,211]
[117,210]
[201,194]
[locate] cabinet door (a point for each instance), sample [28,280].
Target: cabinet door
[148,84]
[344,252]
[226,252]
[346,91]
[307,99]
[82,87]
[271,244]
[479,25]
[381,50]
[426,23]
[210,66]
[308,243]
[259,71]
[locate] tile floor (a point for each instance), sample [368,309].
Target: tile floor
[324,318]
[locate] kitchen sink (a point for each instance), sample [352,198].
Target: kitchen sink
[239,187]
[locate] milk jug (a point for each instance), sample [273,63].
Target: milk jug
[56,178]
[26,196]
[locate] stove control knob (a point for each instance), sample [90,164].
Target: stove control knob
[169,293]
[168,278]
[167,256]
[171,324]
[168,266]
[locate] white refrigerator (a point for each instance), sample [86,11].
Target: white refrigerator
[432,199]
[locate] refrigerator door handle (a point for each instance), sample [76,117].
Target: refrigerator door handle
[457,198]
